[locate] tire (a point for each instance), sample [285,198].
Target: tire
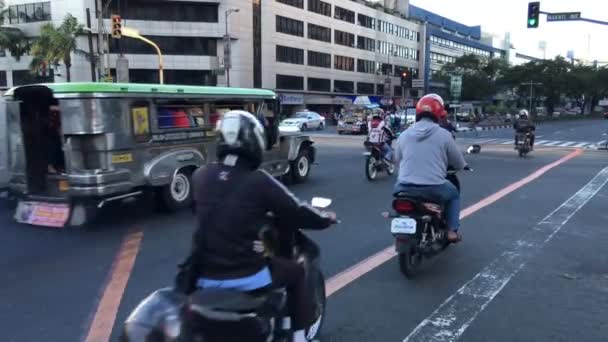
[321,126]
[304,127]
[300,167]
[370,168]
[409,260]
[390,169]
[178,194]
[314,331]
[340,132]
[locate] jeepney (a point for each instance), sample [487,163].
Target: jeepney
[356,118]
[120,140]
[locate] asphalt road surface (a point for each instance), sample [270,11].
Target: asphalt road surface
[532,266]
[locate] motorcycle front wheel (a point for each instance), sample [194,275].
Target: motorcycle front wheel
[371,172]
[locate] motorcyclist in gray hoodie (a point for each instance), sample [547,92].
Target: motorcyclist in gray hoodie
[423,153]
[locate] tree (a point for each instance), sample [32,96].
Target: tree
[55,45]
[11,38]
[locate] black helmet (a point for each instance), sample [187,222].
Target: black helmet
[241,134]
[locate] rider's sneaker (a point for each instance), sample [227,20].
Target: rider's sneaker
[454,237]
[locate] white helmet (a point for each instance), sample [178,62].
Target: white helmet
[523,112]
[241,134]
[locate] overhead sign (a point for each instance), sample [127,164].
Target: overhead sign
[292,99]
[564,16]
[417,83]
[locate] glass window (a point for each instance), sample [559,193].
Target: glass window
[320,33]
[294,3]
[344,87]
[365,43]
[197,46]
[344,14]
[290,82]
[320,7]
[160,10]
[344,63]
[319,84]
[365,21]
[366,66]
[289,26]
[287,54]
[398,91]
[379,89]
[365,88]
[319,59]
[344,38]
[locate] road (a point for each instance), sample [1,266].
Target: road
[532,266]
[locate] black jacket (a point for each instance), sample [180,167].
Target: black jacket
[523,126]
[232,203]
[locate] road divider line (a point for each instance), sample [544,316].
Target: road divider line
[346,277]
[451,319]
[102,323]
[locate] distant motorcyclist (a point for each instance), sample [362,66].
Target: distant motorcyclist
[232,200]
[380,133]
[424,151]
[524,125]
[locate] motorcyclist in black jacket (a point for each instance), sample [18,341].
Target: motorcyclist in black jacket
[232,200]
[524,125]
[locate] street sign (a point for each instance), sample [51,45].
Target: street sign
[227,52]
[564,16]
[455,86]
[417,83]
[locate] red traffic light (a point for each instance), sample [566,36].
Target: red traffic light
[404,74]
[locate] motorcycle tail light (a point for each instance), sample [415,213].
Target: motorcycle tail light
[403,206]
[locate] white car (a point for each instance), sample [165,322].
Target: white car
[305,120]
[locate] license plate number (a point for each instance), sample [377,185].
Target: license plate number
[403,226]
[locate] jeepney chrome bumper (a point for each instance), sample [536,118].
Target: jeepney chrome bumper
[101,190]
[94,178]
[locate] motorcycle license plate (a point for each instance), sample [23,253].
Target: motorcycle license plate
[403,226]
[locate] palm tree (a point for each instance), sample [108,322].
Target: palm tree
[55,45]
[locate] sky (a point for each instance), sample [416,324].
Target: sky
[589,41]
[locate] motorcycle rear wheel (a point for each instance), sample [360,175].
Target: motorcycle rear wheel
[410,260]
[314,331]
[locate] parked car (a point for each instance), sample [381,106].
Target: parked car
[305,120]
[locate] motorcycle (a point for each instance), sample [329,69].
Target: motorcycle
[225,315]
[375,161]
[523,145]
[419,228]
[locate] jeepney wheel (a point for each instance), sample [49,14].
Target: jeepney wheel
[300,167]
[178,194]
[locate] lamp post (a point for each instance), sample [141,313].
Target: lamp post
[132,33]
[227,46]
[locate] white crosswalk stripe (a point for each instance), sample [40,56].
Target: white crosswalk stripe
[567,143]
[548,143]
[553,143]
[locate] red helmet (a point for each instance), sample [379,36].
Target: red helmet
[431,106]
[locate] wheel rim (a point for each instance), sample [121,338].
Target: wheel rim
[180,187]
[391,168]
[303,166]
[371,168]
[313,330]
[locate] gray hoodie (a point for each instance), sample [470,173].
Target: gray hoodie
[423,153]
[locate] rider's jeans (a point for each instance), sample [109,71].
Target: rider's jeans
[444,193]
[387,151]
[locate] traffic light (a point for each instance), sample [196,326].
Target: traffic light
[533,14]
[116,26]
[406,79]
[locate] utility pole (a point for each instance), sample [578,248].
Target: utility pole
[227,47]
[531,84]
[100,38]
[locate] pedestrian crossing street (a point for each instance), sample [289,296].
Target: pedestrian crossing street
[551,143]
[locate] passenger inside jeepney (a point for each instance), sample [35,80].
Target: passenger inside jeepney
[56,157]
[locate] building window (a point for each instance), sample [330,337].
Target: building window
[29,13]
[294,3]
[384,26]
[290,82]
[344,63]
[21,77]
[317,32]
[319,59]
[2,78]
[344,38]
[290,26]
[291,55]
[344,87]
[365,43]
[365,21]
[386,69]
[320,7]
[398,91]
[160,10]
[379,89]
[365,88]
[319,84]
[368,67]
[196,46]
[344,14]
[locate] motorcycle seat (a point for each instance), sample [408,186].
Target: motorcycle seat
[233,305]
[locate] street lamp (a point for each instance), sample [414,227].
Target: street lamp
[132,33]
[227,47]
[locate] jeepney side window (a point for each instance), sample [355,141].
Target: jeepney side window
[140,118]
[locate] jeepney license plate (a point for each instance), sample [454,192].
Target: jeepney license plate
[43,214]
[403,226]
[122,158]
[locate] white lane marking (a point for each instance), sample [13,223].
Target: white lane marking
[507,142]
[540,142]
[581,144]
[553,143]
[567,143]
[484,141]
[450,320]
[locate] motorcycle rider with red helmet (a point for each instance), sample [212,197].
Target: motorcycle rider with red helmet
[380,133]
[423,153]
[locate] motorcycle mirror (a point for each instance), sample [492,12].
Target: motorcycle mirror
[320,202]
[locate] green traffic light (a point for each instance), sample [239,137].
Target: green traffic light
[532,22]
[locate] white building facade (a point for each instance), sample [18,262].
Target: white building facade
[311,51]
